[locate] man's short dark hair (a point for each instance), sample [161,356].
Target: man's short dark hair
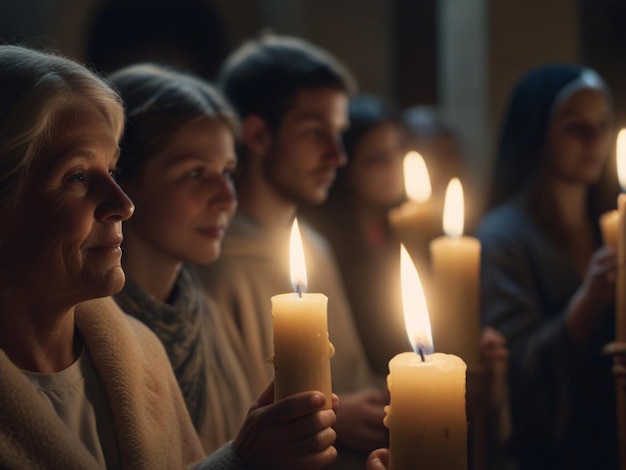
[263,76]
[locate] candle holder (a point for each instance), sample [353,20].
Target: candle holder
[614,349]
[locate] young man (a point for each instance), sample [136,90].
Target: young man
[292,99]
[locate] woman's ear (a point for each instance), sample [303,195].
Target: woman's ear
[256,136]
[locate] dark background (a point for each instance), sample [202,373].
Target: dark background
[461,56]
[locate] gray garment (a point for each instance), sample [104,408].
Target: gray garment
[207,361]
[224,458]
[562,396]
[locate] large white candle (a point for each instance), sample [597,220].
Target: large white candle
[302,350]
[416,222]
[613,225]
[455,261]
[426,414]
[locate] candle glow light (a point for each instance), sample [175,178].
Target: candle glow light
[613,225]
[416,317]
[426,414]
[609,220]
[456,282]
[415,221]
[302,350]
[620,282]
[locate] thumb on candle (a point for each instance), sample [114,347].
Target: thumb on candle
[378,460]
[266,398]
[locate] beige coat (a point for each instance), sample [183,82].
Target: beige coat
[153,428]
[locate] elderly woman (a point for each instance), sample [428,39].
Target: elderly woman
[82,384]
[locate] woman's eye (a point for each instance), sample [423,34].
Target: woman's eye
[229,173]
[113,172]
[317,133]
[76,177]
[195,174]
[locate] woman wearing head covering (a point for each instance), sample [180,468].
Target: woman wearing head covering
[547,281]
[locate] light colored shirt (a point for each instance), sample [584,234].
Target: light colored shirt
[77,395]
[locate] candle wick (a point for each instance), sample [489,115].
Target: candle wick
[299,290]
[420,350]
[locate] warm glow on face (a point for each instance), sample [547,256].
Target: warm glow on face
[416,317]
[296,259]
[416,177]
[621,158]
[453,209]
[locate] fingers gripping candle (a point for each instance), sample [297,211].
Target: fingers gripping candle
[426,415]
[302,350]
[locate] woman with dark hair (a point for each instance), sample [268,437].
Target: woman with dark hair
[547,281]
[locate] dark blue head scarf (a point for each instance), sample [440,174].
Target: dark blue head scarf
[524,128]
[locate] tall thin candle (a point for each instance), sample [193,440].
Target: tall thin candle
[455,281]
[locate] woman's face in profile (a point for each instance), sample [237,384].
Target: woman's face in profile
[375,173]
[579,137]
[63,241]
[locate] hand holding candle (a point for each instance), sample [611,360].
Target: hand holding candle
[302,350]
[455,282]
[426,415]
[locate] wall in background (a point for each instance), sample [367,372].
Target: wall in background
[461,55]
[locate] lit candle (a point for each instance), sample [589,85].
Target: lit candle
[609,221]
[302,350]
[426,414]
[608,224]
[415,222]
[620,291]
[455,281]
[613,225]
[620,313]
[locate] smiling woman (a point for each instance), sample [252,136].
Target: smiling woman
[178,153]
[84,386]
[72,370]
[177,158]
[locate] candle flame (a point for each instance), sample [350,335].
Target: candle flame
[453,209]
[621,158]
[416,317]
[416,177]
[296,259]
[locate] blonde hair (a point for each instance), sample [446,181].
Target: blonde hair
[35,88]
